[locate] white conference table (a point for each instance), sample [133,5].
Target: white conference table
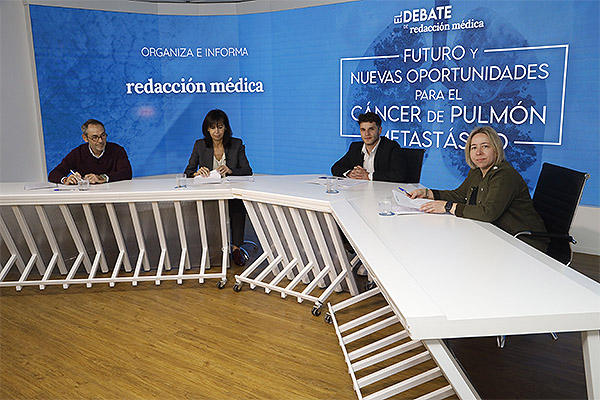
[445,277]
[54,229]
[449,277]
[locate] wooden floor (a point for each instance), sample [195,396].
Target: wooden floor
[195,341]
[171,341]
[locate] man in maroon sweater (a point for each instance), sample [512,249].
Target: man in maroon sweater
[96,160]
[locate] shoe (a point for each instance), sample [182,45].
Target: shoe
[361,271]
[238,258]
[349,248]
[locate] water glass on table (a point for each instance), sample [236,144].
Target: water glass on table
[83,184]
[331,184]
[180,181]
[385,207]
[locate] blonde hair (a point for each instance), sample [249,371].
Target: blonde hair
[495,141]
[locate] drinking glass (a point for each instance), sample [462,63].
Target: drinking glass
[180,181]
[83,184]
[331,185]
[385,206]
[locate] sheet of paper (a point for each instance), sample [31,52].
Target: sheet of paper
[40,185]
[406,205]
[342,182]
[347,183]
[248,178]
[214,177]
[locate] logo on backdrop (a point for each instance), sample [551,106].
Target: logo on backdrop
[440,15]
[189,85]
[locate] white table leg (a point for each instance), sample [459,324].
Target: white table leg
[590,342]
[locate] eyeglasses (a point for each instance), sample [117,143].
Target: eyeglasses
[96,138]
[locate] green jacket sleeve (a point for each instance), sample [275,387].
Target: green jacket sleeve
[494,196]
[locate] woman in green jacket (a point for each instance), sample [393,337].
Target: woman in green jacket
[492,192]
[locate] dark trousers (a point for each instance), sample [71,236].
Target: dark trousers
[237,221]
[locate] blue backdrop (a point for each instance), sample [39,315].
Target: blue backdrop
[292,82]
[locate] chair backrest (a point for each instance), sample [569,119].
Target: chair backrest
[556,198]
[414,163]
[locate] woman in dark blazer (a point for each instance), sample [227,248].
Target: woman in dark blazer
[225,154]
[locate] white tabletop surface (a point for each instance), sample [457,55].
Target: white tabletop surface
[145,189]
[471,278]
[445,276]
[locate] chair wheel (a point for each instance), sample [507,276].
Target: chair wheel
[237,287]
[316,311]
[328,319]
[221,283]
[500,341]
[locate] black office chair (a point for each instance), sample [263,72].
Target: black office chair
[414,161]
[556,199]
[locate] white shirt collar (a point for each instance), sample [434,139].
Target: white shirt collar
[95,156]
[369,159]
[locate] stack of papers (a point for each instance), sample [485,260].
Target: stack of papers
[214,177]
[406,205]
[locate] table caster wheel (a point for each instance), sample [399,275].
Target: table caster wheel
[237,287]
[221,284]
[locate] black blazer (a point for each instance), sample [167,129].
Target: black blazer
[390,164]
[235,155]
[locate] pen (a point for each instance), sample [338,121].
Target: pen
[404,190]
[76,177]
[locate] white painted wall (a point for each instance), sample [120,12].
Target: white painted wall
[586,230]
[21,150]
[21,144]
